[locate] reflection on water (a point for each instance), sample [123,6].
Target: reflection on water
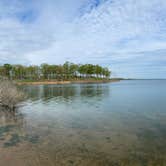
[118,124]
[46,92]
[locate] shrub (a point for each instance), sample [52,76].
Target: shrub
[10,95]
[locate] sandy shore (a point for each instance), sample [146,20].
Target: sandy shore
[65,82]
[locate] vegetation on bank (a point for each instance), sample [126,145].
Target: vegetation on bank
[10,95]
[67,71]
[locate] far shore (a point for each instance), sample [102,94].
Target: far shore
[52,82]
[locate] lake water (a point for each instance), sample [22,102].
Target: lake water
[112,124]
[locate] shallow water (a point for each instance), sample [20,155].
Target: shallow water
[113,124]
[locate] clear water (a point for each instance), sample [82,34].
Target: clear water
[114,124]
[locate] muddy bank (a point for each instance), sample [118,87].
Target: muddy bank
[52,82]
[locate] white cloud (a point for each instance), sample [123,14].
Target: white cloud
[110,32]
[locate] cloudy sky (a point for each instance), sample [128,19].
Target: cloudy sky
[128,36]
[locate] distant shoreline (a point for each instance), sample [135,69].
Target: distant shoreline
[54,82]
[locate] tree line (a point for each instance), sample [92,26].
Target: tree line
[66,71]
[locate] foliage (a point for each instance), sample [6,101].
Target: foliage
[66,71]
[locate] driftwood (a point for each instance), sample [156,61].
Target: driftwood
[10,95]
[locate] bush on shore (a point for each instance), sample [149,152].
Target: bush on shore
[10,95]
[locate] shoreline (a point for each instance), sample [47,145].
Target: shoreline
[53,82]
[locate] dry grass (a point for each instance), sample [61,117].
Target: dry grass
[10,95]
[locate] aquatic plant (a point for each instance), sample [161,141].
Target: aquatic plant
[10,95]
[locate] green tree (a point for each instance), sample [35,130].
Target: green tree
[7,69]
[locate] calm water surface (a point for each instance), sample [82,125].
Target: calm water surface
[116,124]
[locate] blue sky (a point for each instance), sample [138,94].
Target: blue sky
[128,36]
